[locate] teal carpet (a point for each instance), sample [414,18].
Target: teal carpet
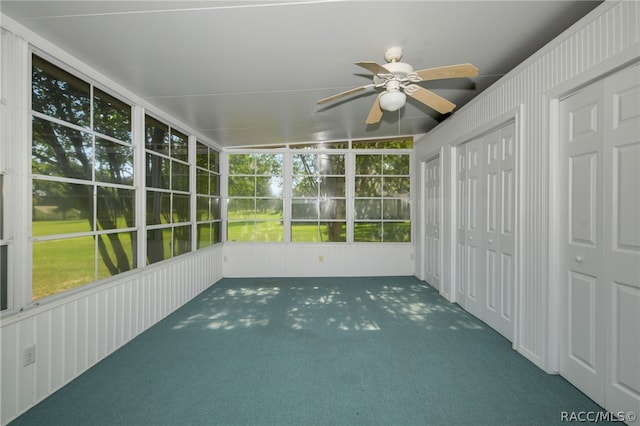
[311,351]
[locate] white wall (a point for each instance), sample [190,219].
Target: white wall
[76,332]
[606,39]
[313,260]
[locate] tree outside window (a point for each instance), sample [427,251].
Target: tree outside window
[83,198]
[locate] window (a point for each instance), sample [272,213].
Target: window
[342,191]
[168,198]
[254,211]
[208,216]
[4,282]
[382,198]
[318,205]
[83,196]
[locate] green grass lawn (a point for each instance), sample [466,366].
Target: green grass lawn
[60,265]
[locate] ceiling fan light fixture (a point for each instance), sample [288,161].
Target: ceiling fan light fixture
[392,100]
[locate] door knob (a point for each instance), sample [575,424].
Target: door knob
[579,259]
[471,238]
[490,241]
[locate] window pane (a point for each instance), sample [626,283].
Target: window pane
[202,155]
[401,143]
[269,208]
[396,164]
[215,208]
[117,253]
[241,164]
[305,232]
[181,208]
[157,135]
[59,94]
[60,265]
[397,232]
[396,186]
[202,209]
[179,176]
[4,294]
[397,209]
[242,186]
[111,116]
[305,164]
[158,207]
[202,181]
[204,235]
[269,231]
[368,186]
[321,145]
[158,245]
[1,206]
[179,145]
[158,171]
[241,208]
[269,164]
[114,162]
[217,235]
[368,209]
[304,209]
[240,231]
[332,187]
[335,232]
[333,209]
[181,240]
[214,184]
[331,164]
[368,164]
[214,160]
[305,186]
[61,208]
[116,208]
[367,232]
[60,151]
[269,186]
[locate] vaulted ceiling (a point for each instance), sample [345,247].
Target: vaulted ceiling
[250,72]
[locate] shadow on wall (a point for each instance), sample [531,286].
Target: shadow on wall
[347,304]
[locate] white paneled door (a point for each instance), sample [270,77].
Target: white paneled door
[486,200]
[432,220]
[600,178]
[474,216]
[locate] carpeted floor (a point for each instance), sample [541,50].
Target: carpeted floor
[314,351]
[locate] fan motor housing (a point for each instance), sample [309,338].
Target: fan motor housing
[399,70]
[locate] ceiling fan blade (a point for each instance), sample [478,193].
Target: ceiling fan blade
[451,71]
[376,69]
[343,94]
[429,98]
[375,114]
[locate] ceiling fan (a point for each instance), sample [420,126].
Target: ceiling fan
[398,80]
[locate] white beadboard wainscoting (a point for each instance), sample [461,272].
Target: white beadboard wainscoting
[309,260]
[605,40]
[74,333]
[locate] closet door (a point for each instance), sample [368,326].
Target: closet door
[432,197]
[582,341]
[461,204]
[622,240]
[600,147]
[474,224]
[499,238]
[507,234]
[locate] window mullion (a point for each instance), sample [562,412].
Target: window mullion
[139,170]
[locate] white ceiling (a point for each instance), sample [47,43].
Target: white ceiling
[250,72]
